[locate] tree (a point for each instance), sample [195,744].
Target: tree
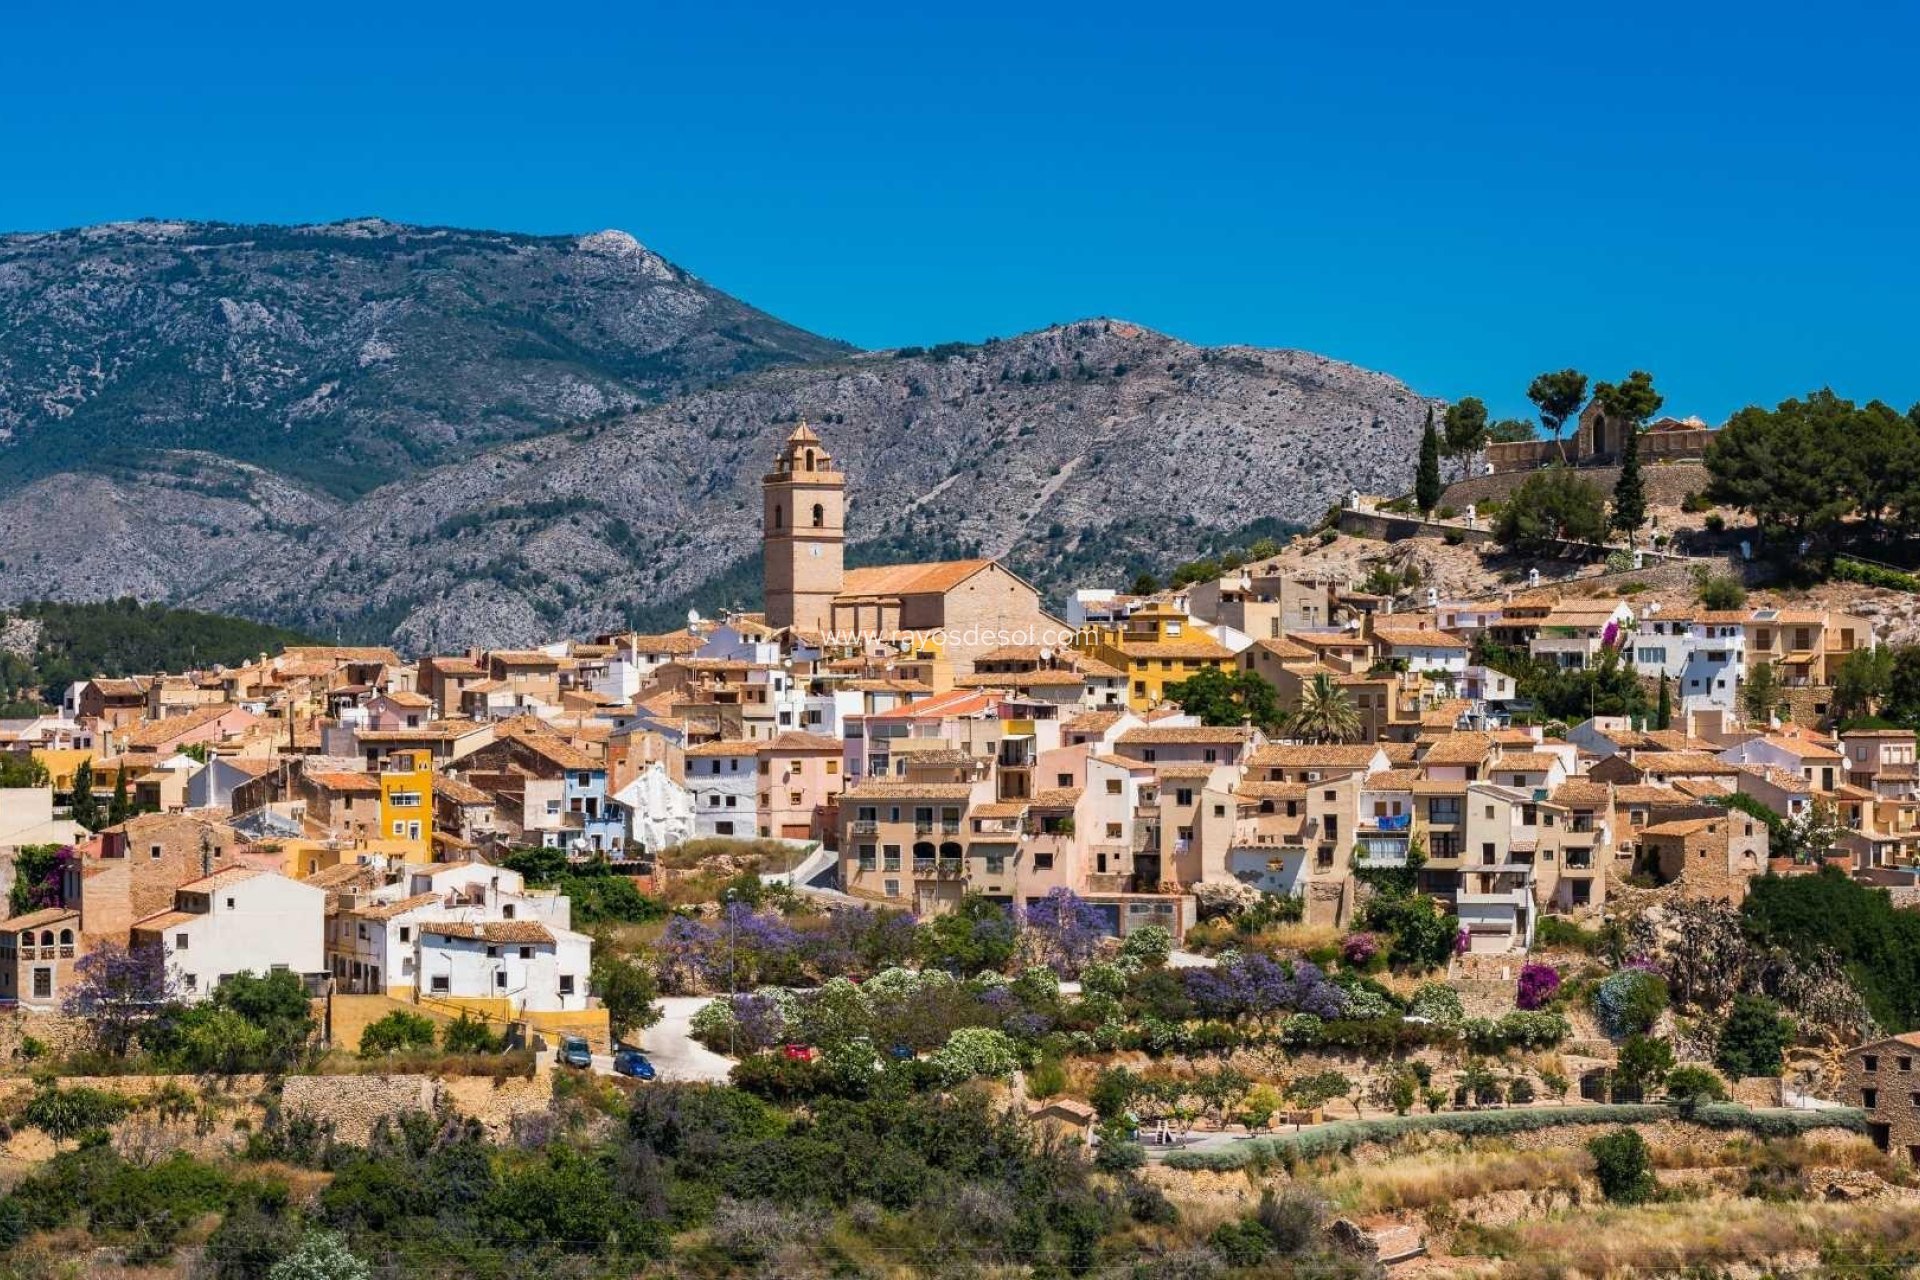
[1465,426]
[121,807]
[118,992]
[36,877]
[1319,1089]
[1629,491]
[1623,1166]
[1551,505]
[978,936]
[628,989]
[1325,713]
[1663,712]
[1690,1086]
[1760,695]
[1754,1040]
[1644,1062]
[18,770]
[1719,590]
[468,1034]
[1511,431]
[1228,698]
[1426,478]
[1144,584]
[1558,396]
[1065,930]
[1862,682]
[1791,467]
[85,809]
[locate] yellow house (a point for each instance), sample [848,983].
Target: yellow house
[1156,646]
[406,804]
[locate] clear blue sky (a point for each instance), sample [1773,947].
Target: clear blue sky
[1461,196]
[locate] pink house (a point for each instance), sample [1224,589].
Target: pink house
[399,710]
[799,773]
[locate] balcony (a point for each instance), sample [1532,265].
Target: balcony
[940,868]
[865,827]
[923,828]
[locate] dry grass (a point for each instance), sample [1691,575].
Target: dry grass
[1296,938]
[1673,1239]
[1439,1177]
[769,855]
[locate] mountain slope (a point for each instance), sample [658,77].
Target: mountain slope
[346,354]
[1080,453]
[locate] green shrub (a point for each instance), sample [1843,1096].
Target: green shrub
[1343,1136]
[467,1034]
[68,1113]
[1715,523]
[1872,575]
[397,1031]
[1695,1085]
[1623,1166]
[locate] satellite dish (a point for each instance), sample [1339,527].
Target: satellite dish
[693,619]
[1046,655]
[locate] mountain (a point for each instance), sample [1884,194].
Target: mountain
[1081,453]
[347,354]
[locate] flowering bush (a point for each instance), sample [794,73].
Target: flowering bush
[1359,949]
[1538,983]
[1437,1002]
[1367,1001]
[744,948]
[972,1052]
[1149,945]
[1630,1001]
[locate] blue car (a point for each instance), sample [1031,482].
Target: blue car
[632,1062]
[576,1052]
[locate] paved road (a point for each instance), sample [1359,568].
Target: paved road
[669,1043]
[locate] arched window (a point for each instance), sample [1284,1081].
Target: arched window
[776,516]
[923,850]
[46,937]
[809,459]
[66,937]
[819,515]
[949,850]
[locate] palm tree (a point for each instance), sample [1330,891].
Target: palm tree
[1325,713]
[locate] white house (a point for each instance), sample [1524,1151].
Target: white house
[659,810]
[723,778]
[535,967]
[1705,655]
[1817,763]
[238,920]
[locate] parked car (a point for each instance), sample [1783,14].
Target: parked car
[632,1062]
[801,1052]
[901,1053]
[576,1052]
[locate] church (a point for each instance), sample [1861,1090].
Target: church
[952,609]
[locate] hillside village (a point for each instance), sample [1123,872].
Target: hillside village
[1162,789]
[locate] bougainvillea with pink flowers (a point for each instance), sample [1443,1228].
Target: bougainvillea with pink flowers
[1538,982]
[1359,949]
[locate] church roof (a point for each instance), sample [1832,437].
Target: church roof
[910,579]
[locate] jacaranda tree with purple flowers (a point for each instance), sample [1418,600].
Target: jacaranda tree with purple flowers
[118,991]
[1255,985]
[1064,931]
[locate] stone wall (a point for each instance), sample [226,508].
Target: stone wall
[1384,526]
[354,1104]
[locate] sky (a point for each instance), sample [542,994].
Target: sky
[1459,196]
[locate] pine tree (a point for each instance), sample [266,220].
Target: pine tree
[1663,714]
[85,809]
[1629,491]
[121,807]
[1426,481]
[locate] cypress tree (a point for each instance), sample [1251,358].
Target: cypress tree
[121,807]
[85,809]
[1663,715]
[1629,491]
[1426,481]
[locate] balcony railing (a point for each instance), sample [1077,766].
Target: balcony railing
[865,827]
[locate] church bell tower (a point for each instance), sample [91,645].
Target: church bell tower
[802,533]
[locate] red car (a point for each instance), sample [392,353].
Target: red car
[801,1053]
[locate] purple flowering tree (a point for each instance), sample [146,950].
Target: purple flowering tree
[1256,985]
[1065,931]
[744,948]
[118,991]
[1538,983]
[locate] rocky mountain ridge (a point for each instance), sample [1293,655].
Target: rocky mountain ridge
[1081,452]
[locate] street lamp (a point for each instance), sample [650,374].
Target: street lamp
[731,1003]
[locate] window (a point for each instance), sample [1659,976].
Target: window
[190,981]
[1870,1063]
[406,933]
[1043,862]
[1063,779]
[43,983]
[1869,1098]
[566,984]
[500,979]
[819,516]
[1210,755]
[868,858]
[1149,755]
[526,953]
[438,984]
[1115,831]
[179,942]
[1113,786]
[153,851]
[1183,795]
[406,799]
